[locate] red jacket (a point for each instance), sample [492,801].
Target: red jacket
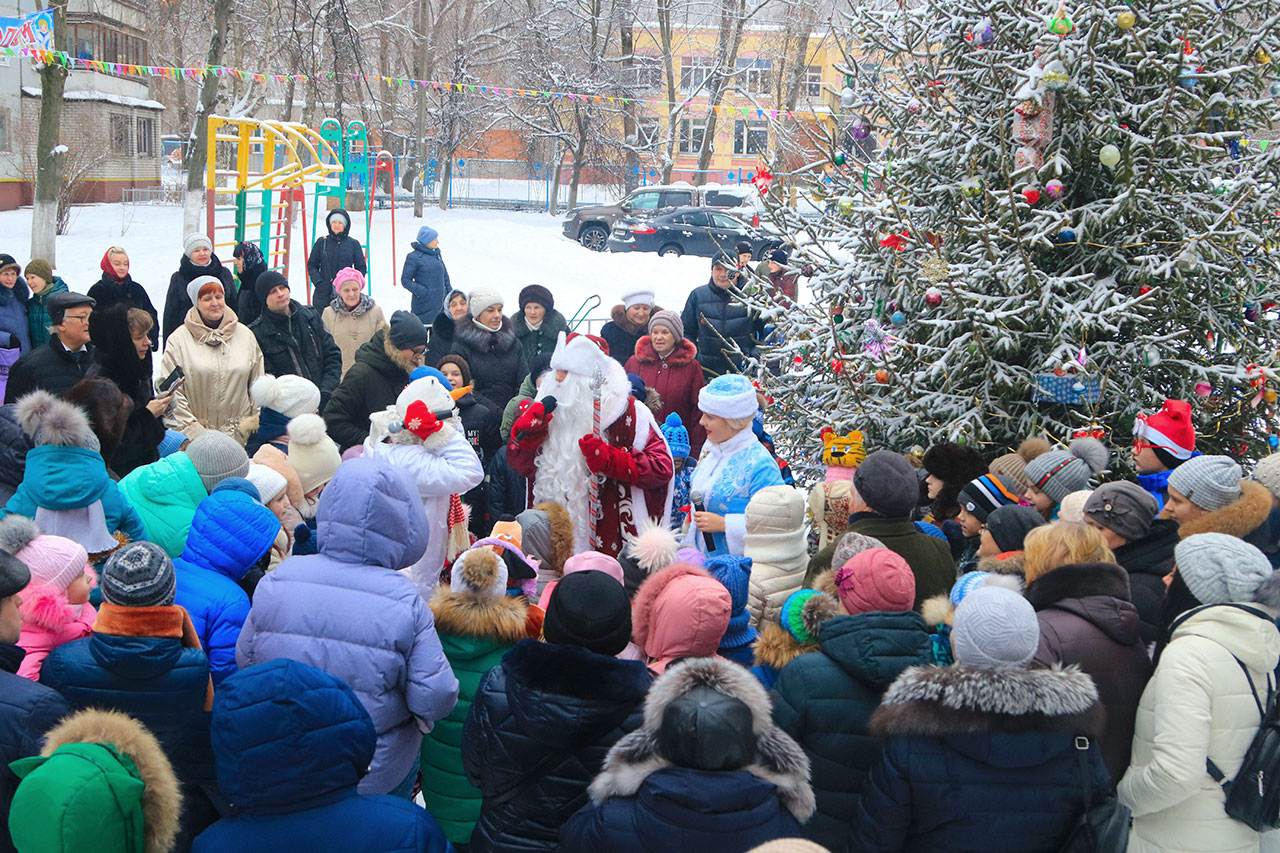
[677,379]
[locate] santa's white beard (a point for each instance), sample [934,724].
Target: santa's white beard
[562,475]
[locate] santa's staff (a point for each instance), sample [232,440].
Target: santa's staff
[594,481]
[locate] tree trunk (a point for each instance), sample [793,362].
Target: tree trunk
[673,108]
[420,101]
[583,121]
[199,137]
[49,159]
[554,200]
[630,128]
[446,175]
[727,43]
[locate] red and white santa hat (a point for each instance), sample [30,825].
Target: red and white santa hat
[581,355]
[1169,429]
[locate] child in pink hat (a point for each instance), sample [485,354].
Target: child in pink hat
[55,604]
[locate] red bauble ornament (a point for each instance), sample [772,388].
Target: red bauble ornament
[798,359]
[933,297]
[837,366]
[1032,195]
[882,376]
[1144,290]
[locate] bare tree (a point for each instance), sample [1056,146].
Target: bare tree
[53,80]
[198,138]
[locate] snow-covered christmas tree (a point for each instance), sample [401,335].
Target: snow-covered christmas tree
[1042,218]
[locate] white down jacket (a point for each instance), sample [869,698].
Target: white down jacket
[777,543]
[1197,704]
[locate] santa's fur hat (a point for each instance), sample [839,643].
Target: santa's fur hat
[581,356]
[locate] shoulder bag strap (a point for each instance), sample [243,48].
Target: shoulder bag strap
[1086,779]
[1215,772]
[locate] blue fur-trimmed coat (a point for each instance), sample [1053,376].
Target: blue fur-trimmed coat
[980,760]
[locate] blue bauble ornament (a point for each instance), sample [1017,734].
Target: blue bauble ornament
[898,318]
[1066,235]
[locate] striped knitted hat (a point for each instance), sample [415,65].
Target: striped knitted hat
[988,492]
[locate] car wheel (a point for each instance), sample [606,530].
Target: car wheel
[671,250]
[594,237]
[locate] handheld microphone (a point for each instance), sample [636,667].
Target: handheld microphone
[549,404]
[708,540]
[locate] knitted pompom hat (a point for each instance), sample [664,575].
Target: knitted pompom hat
[311,452]
[1058,473]
[479,571]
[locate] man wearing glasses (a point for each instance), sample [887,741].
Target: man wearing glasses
[66,359]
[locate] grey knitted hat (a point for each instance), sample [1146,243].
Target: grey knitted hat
[1218,568]
[851,544]
[888,483]
[1125,508]
[1058,473]
[139,575]
[1267,472]
[535,534]
[1209,482]
[217,457]
[14,575]
[995,628]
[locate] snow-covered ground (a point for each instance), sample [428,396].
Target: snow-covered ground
[504,249]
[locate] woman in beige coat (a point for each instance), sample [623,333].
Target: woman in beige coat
[1198,704]
[219,358]
[351,317]
[777,543]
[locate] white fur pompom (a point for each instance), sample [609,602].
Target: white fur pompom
[653,547]
[263,391]
[307,429]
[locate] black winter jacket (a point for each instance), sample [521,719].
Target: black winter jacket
[825,699]
[439,339]
[480,425]
[331,253]
[622,335]
[51,368]
[711,314]
[176,303]
[248,305]
[541,341]
[27,711]
[541,723]
[980,760]
[506,491]
[107,292]
[372,384]
[496,358]
[118,361]
[14,445]
[1147,561]
[299,344]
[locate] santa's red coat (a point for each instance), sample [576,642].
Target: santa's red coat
[637,432]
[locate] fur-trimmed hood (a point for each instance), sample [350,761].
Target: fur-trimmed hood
[940,702]
[561,535]
[684,353]
[483,341]
[775,647]
[161,799]
[47,419]
[1095,592]
[778,760]
[468,614]
[1004,563]
[618,314]
[1239,518]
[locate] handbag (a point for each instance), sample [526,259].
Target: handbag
[1101,828]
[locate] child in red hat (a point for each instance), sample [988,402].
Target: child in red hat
[1161,442]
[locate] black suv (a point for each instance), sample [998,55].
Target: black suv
[702,231]
[591,225]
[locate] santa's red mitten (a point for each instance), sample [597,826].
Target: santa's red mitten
[602,458]
[531,424]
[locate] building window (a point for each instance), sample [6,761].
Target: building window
[646,73]
[121,134]
[813,81]
[5,144]
[750,137]
[647,131]
[755,76]
[694,72]
[146,131]
[692,132]
[88,40]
